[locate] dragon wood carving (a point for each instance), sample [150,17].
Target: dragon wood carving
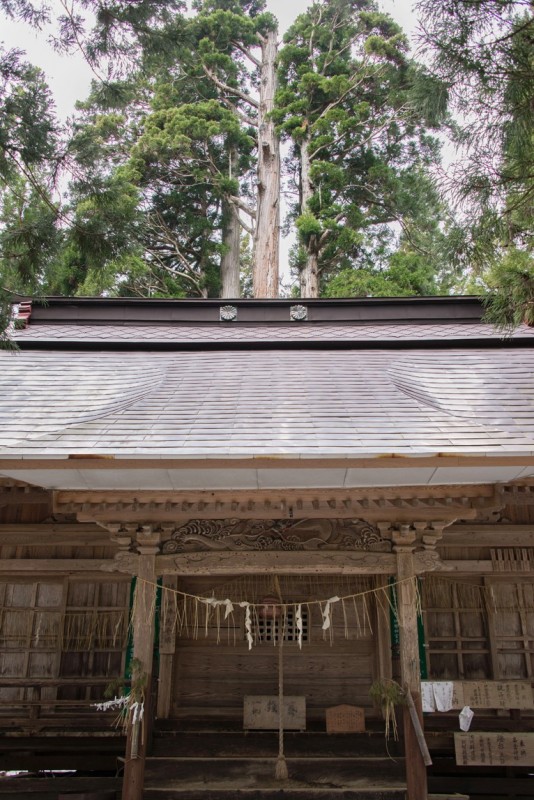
[280,534]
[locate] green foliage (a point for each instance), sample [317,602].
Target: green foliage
[307,226]
[483,52]
[355,110]
[5,319]
[166,145]
[407,275]
[29,237]
[511,297]
[27,124]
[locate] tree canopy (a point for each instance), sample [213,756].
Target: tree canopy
[483,53]
[172,172]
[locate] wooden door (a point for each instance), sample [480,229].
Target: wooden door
[214,668]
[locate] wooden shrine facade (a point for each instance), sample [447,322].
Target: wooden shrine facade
[66,596]
[155,497]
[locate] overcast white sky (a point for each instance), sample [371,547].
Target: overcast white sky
[69,76]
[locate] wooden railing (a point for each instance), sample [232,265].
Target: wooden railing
[36,706]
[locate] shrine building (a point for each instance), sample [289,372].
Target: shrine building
[266,520]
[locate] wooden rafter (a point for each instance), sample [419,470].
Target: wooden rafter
[441,503]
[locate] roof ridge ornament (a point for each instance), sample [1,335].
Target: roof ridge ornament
[228,313]
[20,314]
[298,313]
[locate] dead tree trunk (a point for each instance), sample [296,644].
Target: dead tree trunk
[266,237]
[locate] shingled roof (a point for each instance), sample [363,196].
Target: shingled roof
[170,380]
[130,323]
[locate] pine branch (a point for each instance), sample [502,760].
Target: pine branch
[247,53]
[246,227]
[243,206]
[239,114]
[232,91]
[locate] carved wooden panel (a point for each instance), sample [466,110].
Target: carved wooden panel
[276,534]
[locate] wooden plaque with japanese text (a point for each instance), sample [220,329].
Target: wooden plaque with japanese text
[498,694]
[494,749]
[345,719]
[260,712]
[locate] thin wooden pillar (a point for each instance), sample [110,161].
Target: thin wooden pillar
[143,649]
[167,646]
[416,776]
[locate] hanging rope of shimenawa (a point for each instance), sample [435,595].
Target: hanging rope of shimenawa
[194,615]
[191,615]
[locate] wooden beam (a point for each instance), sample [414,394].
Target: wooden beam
[274,496]
[27,566]
[229,563]
[468,566]
[439,504]
[49,534]
[389,460]
[167,648]
[276,563]
[17,496]
[383,632]
[497,535]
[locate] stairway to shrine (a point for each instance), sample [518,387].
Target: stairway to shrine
[228,764]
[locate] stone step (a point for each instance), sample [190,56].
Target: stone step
[265,745]
[259,773]
[51,787]
[237,765]
[288,791]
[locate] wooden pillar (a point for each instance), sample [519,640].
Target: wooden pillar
[416,776]
[143,624]
[167,646]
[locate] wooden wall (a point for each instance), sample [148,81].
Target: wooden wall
[336,666]
[62,640]
[479,627]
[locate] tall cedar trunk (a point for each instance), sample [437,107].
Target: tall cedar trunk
[266,238]
[202,259]
[230,259]
[309,276]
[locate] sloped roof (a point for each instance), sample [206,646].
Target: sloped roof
[208,404]
[453,388]
[138,324]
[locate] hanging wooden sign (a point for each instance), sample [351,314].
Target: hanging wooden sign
[260,712]
[345,719]
[498,694]
[494,749]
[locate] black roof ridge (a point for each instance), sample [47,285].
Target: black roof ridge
[439,309]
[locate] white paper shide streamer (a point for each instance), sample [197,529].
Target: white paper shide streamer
[298,624]
[248,624]
[326,612]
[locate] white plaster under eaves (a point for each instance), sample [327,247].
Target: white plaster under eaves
[255,477]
